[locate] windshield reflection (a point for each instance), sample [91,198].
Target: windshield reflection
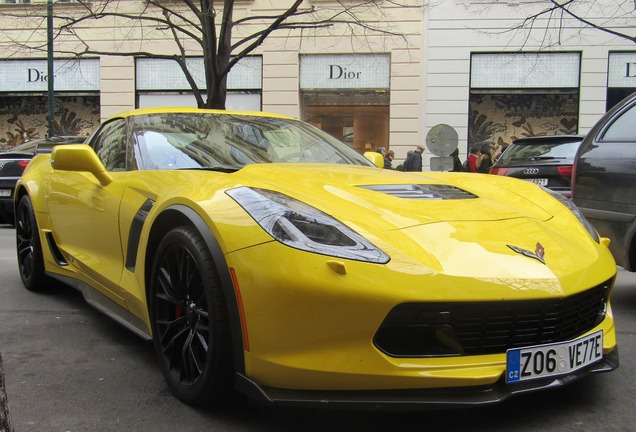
[229,142]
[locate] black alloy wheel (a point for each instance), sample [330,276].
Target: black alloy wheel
[28,247]
[189,319]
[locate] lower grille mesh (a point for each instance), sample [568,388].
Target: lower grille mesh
[478,328]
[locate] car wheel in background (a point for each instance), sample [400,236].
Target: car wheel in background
[189,319]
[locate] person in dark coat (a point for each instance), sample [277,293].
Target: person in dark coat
[457,164]
[484,160]
[406,166]
[413,161]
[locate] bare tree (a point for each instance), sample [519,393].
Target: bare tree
[204,28]
[613,17]
[5,421]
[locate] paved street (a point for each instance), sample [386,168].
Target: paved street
[69,368]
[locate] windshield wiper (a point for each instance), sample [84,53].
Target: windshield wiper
[547,157]
[215,169]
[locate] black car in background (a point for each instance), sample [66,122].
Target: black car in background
[604,178]
[13,163]
[544,160]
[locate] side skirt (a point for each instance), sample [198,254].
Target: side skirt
[108,307]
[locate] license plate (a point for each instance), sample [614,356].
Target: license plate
[5,192]
[554,359]
[539,181]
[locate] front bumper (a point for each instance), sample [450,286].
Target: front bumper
[409,400]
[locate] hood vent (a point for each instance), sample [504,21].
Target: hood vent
[422,191]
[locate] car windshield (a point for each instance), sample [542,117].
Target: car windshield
[529,152]
[229,142]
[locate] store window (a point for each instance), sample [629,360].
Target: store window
[621,77]
[348,97]
[25,118]
[161,82]
[24,100]
[359,119]
[521,95]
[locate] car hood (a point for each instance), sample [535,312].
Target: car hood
[397,200]
[482,225]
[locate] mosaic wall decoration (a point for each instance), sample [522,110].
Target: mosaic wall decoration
[499,119]
[24,118]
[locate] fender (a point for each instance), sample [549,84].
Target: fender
[225,278]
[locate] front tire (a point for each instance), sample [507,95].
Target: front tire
[189,319]
[29,248]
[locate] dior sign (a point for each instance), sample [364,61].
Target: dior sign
[345,71]
[34,75]
[621,71]
[339,72]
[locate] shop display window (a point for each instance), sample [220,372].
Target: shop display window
[360,119]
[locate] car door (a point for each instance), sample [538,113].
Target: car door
[605,179]
[84,213]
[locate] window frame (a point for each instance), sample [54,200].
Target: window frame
[631,109]
[107,131]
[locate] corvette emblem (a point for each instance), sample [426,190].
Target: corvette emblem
[538,253]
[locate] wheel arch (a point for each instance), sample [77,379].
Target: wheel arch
[20,191]
[180,215]
[631,248]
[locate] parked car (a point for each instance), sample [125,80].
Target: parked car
[260,254]
[13,162]
[605,180]
[543,160]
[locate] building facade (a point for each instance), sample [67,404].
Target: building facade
[500,70]
[453,68]
[363,88]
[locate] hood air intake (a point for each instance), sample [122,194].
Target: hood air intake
[422,191]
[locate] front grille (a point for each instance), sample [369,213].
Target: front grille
[478,328]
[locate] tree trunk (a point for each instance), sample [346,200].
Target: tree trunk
[5,422]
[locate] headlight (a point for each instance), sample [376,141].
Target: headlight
[575,210]
[303,227]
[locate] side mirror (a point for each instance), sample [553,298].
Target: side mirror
[79,157]
[376,158]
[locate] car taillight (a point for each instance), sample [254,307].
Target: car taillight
[23,163]
[565,171]
[498,171]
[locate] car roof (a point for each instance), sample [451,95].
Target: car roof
[192,110]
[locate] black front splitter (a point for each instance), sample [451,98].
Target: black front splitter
[413,400]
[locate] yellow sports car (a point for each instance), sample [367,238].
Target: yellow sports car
[261,255]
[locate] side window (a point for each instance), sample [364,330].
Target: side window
[110,145]
[623,128]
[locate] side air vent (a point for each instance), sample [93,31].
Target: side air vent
[422,191]
[135,234]
[55,251]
